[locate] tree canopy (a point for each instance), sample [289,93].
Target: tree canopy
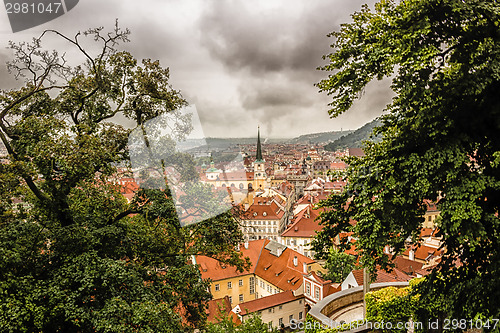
[338,265]
[75,256]
[440,141]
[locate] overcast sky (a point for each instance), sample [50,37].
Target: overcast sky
[241,63]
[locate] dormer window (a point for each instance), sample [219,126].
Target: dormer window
[264,214]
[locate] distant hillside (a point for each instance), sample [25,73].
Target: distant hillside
[324,137]
[354,139]
[350,138]
[226,142]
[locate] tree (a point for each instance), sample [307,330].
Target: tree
[253,324]
[339,265]
[440,141]
[75,256]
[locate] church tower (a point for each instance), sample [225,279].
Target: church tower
[259,168]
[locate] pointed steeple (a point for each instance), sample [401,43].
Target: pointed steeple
[259,148]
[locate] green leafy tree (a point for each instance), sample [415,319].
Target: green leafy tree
[440,141]
[254,324]
[338,265]
[75,256]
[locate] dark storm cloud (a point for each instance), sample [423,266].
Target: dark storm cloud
[288,37]
[268,92]
[242,63]
[274,53]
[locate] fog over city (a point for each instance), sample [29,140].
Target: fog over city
[241,63]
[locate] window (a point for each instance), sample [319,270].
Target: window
[281,307]
[241,298]
[240,283]
[290,318]
[270,325]
[300,315]
[316,292]
[280,322]
[308,288]
[229,285]
[231,299]
[217,287]
[252,285]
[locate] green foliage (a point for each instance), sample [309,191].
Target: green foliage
[440,141]
[253,324]
[389,305]
[339,265]
[76,256]
[356,138]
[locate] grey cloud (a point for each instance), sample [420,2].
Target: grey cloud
[7,80]
[242,63]
[276,40]
[265,92]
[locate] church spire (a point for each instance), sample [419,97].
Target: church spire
[259,148]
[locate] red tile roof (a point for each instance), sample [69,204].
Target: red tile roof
[268,302]
[382,276]
[212,269]
[423,252]
[262,212]
[218,308]
[407,266]
[305,224]
[281,271]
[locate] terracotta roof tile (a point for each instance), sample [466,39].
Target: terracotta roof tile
[306,224]
[268,302]
[218,308]
[406,265]
[212,269]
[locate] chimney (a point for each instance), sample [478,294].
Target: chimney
[304,265]
[295,261]
[411,254]
[246,244]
